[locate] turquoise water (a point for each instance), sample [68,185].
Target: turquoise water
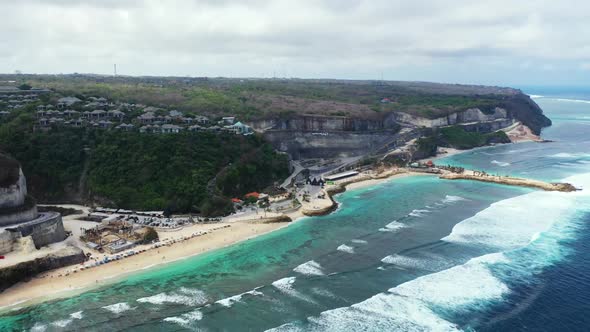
[415,253]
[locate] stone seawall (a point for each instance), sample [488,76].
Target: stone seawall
[24,271]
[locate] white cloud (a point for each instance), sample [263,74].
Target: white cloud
[307,38]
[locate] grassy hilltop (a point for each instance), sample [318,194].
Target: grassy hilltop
[259,98]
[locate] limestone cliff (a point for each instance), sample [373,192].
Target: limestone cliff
[321,136]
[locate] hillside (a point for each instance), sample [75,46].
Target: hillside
[138,171]
[255,99]
[157,143]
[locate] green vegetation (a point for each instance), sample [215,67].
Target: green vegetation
[255,99]
[130,170]
[458,138]
[150,235]
[427,147]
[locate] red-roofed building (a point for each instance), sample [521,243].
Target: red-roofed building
[252,194]
[236,200]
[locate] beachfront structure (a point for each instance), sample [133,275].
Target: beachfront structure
[340,176]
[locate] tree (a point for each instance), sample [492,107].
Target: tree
[25,86]
[150,235]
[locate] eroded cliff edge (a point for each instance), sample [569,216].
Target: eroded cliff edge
[309,135]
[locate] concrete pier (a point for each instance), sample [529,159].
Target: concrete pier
[508,180]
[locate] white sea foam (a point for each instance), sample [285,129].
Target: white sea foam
[392,226]
[435,263]
[449,199]
[407,307]
[536,96]
[357,241]
[458,286]
[573,100]
[507,225]
[565,155]
[185,320]
[500,163]
[512,222]
[39,328]
[118,308]
[323,292]
[382,312]
[346,249]
[285,285]
[62,323]
[418,213]
[185,296]
[311,268]
[229,301]
[77,315]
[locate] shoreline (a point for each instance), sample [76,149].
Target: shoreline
[55,284]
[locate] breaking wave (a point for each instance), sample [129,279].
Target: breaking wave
[185,320]
[311,268]
[418,213]
[523,234]
[346,249]
[229,301]
[185,296]
[77,315]
[357,241]
[421,263]
[118,308]
[572,100]
[392,226]
[500,163]
[452,199]
[285,285]
[565,155]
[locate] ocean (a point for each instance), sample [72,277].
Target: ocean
[410,254]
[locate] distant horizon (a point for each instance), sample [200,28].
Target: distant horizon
[489,43]
[503,85]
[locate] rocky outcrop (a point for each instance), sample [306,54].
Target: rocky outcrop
[525,110]
[25,271]
[19,211]
[13,194]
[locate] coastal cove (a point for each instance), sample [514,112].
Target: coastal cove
[381,255]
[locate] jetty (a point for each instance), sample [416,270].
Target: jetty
[507,180]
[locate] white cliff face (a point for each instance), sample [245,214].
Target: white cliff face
[468,116]
[14,195]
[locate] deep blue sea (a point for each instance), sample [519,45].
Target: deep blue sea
[411,254]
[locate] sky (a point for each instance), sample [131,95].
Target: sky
[500,42]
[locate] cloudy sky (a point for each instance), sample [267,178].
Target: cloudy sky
[507,42]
